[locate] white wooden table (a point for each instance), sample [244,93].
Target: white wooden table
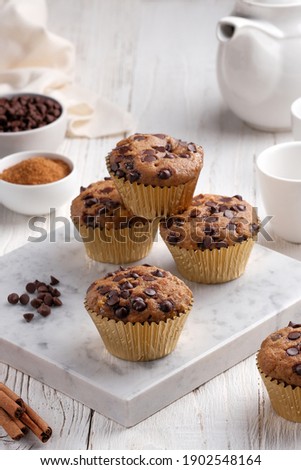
[156,58]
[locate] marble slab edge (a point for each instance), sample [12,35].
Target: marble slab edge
[130,412]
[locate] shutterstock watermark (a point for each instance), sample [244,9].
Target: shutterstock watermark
[138,229]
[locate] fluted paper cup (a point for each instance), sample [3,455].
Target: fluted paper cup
[212,266]
[139,341]
[118,246]
[285,399]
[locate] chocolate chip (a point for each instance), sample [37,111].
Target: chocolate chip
[184,155]
[48,299]
[294,325]
[292,351]
[238,196]
[36,303]
[207,241]
[229,214]
[56,293]
[125,294]
[221,244]
[114,166]
[169,155]
[107,190]
[297,369]
[158,273]
[28,317]
[231,227]
[24,299]
[191,147]
[139,304]
[147,277]
[168,147]
[120,173]
[126,285]
[194,213]
[149,158]
[44,310]
[254,228]
[134,176]
[113,298]
[166,306]
[30,287]
[164,174]
[294,335]
[107,178]
[211,219]
[42,288]
[91,202]
[173,238]
[118,278]
[56,301]
[139,137]
[129,165]
[103,289]
[13,298]
[150,292]
[159,149]
[276,336]
[160,136]
[122,312]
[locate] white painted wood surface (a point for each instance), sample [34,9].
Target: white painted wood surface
[156,58]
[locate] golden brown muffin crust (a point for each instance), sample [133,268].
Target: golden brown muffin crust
[99,205]
[279,356]
[212,221]
[139,294]
[155,159]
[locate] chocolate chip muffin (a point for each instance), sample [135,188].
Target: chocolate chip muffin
[279,364]
[155,174]
[110,233]
[211,240]
[139,311]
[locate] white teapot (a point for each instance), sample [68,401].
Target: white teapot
[259,61]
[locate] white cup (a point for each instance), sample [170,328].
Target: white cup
[279,178]
[296,119]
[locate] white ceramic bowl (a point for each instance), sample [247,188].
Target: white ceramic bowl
[296,119]
[48,137]
[37,199]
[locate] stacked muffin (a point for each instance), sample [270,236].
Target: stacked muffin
[152,180]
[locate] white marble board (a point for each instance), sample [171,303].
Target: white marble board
[227,324]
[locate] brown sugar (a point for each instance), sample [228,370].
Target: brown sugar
[36,170]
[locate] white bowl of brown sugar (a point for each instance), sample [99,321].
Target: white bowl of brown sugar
[31,121]
[36,182]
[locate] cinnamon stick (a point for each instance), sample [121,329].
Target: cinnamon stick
[34,427]
[10,406]
[10,426]
[38,420]
[11,394]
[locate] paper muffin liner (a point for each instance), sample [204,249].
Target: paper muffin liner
[285,399]
[139,341]
[118,246]
[212,266]
[154,201]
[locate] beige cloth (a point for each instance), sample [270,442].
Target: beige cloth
[33,59]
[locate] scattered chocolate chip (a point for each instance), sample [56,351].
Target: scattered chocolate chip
[166,306]
[13,298]
[139,304]
[150,292]
[164,174]
[297,369]
[24,299]
[44,310]
[56,293]
[42,288]
[294,335]
[30,287]
[28,317]
[36,303]
[292,351]
[48,300]
[56,301]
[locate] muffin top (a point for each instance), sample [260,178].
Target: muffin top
[279,356]
[139,294]
[212,221]
[155,159]
[99,205]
